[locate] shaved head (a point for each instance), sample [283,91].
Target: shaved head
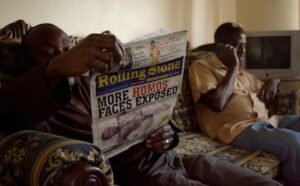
[45,41]
[226,32]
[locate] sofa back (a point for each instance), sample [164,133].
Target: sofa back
[184,116]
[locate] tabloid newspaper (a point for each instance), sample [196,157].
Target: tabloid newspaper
[130,103]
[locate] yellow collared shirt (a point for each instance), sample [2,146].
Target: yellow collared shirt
[241,111]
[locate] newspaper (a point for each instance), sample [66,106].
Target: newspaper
[130,103]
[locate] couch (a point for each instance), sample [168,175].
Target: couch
[193,142]
[34,158]
[59,161]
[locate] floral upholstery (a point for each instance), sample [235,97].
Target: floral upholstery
[183,117]
[35,158]
[196,143]
[287,103]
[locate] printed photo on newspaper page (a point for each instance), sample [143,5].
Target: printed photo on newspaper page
[130,103]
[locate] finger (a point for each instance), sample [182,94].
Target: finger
[117,49]
[100,66]
[108,32]
[271,97]
[262,94]
[121,45]
[118,52]
[103,56]
[160,135]
[109,43]
[161,130]
[160,145]
[267,99]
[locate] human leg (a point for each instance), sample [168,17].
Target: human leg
[284,143]
[213,171]
[291,122]
[169,169]
[173,178]
[192,170]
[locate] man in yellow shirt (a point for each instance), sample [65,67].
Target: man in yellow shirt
[232,105]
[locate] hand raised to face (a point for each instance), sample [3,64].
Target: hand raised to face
[228,55]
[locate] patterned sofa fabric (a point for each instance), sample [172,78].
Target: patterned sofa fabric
[35,158]
[258,161]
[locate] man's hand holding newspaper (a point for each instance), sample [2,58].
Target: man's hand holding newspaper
[155,141]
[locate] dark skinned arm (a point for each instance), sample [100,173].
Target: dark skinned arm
[217,98]
[268,92]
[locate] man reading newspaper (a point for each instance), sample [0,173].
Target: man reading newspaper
[147,163]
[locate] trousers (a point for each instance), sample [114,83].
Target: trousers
[189,170]
[283,141]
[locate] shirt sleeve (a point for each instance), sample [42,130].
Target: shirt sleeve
[28,100]
[201,79]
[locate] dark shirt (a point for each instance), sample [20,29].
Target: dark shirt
[27,100]
[70,121]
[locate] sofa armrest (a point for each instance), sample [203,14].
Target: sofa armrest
[35,158]
[286,103]
[81,174]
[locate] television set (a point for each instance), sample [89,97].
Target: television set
[273,54]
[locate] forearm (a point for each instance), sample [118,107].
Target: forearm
[217,98]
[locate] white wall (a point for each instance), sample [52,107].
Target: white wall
[260,15]
[128,19]
[205,16]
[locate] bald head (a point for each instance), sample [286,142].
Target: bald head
[227,32]
[45,41]
[232,34]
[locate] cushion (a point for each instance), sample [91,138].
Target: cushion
[196,143]
[34,158]
[287,103]
[184,116]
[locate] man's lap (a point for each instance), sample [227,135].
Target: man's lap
[291,122]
